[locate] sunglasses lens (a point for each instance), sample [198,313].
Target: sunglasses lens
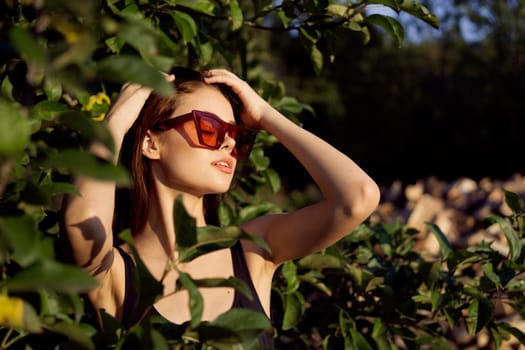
[212,133]
[243,143]
[209,130]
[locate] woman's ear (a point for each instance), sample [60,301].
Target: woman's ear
[150,146]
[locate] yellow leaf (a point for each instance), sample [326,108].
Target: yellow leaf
[11,312]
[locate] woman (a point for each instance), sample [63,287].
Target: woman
[174,155]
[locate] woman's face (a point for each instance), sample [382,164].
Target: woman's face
[184,165]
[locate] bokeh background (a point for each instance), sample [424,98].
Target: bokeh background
[448,103]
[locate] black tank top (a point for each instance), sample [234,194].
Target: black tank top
[240,270]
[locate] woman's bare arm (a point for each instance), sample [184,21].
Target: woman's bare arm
[350,195]
[87,219]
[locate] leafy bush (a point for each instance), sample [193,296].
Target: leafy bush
[373,291]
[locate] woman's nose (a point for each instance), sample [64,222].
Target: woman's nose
[228,143]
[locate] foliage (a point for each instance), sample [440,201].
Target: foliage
[62,64]
[373,291]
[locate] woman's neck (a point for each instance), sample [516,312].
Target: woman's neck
[158,236]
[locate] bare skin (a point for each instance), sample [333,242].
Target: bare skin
[349,197]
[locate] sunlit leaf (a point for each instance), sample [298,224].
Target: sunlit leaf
[293,310]
[236,14]
[316,57]
[488,270]
[289,272]
[339,10]
[320,261]
[393,4]
[444,245]
[510,234]
[14,129]
[185,24]
[256,210]
[225,213]
[419,11]
[204,6]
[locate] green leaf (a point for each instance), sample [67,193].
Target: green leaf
[185,24]
[514,201]
[52,88]
[488,270]
[7,89]
[225,213]
[213,238]
[185,227]
[316,56]
[444,245]
[419,11]
[149,289]
[393,4]
[242,320]
[314,278]
[85,164]
[87,127]
[480,313]
[23,238]
[252,211]
[234,329]
[259,160]
[510,234]
[340,10]
[196,303]
[52,275]
[126,68]
[236,14]
[32,322]
[73,332]
[519,334]
[293,310]
[320,261]
[289,272]
[14,129]
[203,6]
[359,341]
[390,25]
[48,110]
[231,282]
[29,49]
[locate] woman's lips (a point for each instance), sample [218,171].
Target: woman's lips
[224,165]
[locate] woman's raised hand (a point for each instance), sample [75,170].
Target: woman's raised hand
[255,108]
[128,105]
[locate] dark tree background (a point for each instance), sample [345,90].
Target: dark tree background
[449,103]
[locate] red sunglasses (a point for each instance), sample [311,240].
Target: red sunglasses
[211,131]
